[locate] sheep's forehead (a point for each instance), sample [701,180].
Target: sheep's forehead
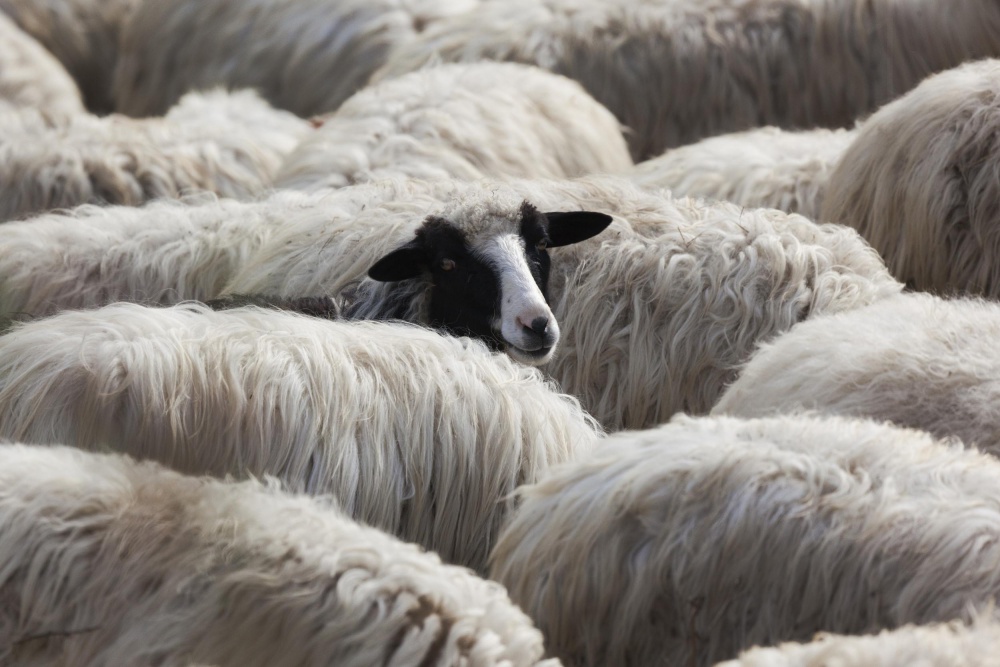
[487,218]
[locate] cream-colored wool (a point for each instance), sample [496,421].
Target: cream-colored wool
[82,34]
[678,71]
[761,168]
[685,544]
[306,56]
[916,360]
[920,183]
[422,435]
[31,77]
[105,561]
[229,144]
[161,253]
[656,313]
[461,121]
[945,645]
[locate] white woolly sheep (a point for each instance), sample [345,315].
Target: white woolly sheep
[422,435]
[761,168]
[168,252]
[82,34]
[230,144]
[915,359]
[675,72]
[944,645]
[461,121]
[306,56]
[111,562]
[656,313]
[685,544]
[161,253]
[31,77]
[920,182]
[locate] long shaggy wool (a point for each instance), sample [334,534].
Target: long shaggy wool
[944,645]
[421,435]
[760,168]
[229,144]
[920,183]
[686,544]
[656,313]
[31,77]
[82,34]
[679,71]
[105,561]
[307,56]
[461,121]
[162,253]
[916,360]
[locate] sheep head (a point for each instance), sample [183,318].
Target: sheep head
[489,273]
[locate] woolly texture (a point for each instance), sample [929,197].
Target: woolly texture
[110,562]
[82,34]
[162,253]
[229,144]
[418,434]
[762,168]
[946,645]
[306,56]
[656,313]
[920,182]
[461,121]
[679,71]
[685,544]
[31,77]
[915,360]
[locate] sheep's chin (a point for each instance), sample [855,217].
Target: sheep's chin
[533,358]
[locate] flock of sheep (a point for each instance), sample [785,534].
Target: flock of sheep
[499,332]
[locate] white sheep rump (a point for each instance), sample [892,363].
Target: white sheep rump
[944,645]
[656,313]
[761,168]
[688,543]
[229,144]
[676,72]
[110,562]
[422,435]
[82,34]
[915,359]
[920,182]
[30,77]
[461,121]
[306,56]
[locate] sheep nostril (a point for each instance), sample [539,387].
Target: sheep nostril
[539,325]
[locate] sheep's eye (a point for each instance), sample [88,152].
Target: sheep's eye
[541,245]
[447,264]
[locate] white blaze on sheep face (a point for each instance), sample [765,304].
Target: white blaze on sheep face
[489,275]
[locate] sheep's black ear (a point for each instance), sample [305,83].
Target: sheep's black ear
[403,263]
[570,227]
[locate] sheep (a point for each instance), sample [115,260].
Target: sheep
[422,435]
[82,34]
[231,144]
[676,72]
[461,121]
[760,168]
[31,77]
[941,645]
[919,182]
[306,56]
[107,561]
[656,313]
[915,359]
[687,543]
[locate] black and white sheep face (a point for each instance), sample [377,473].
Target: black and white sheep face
[489,280]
